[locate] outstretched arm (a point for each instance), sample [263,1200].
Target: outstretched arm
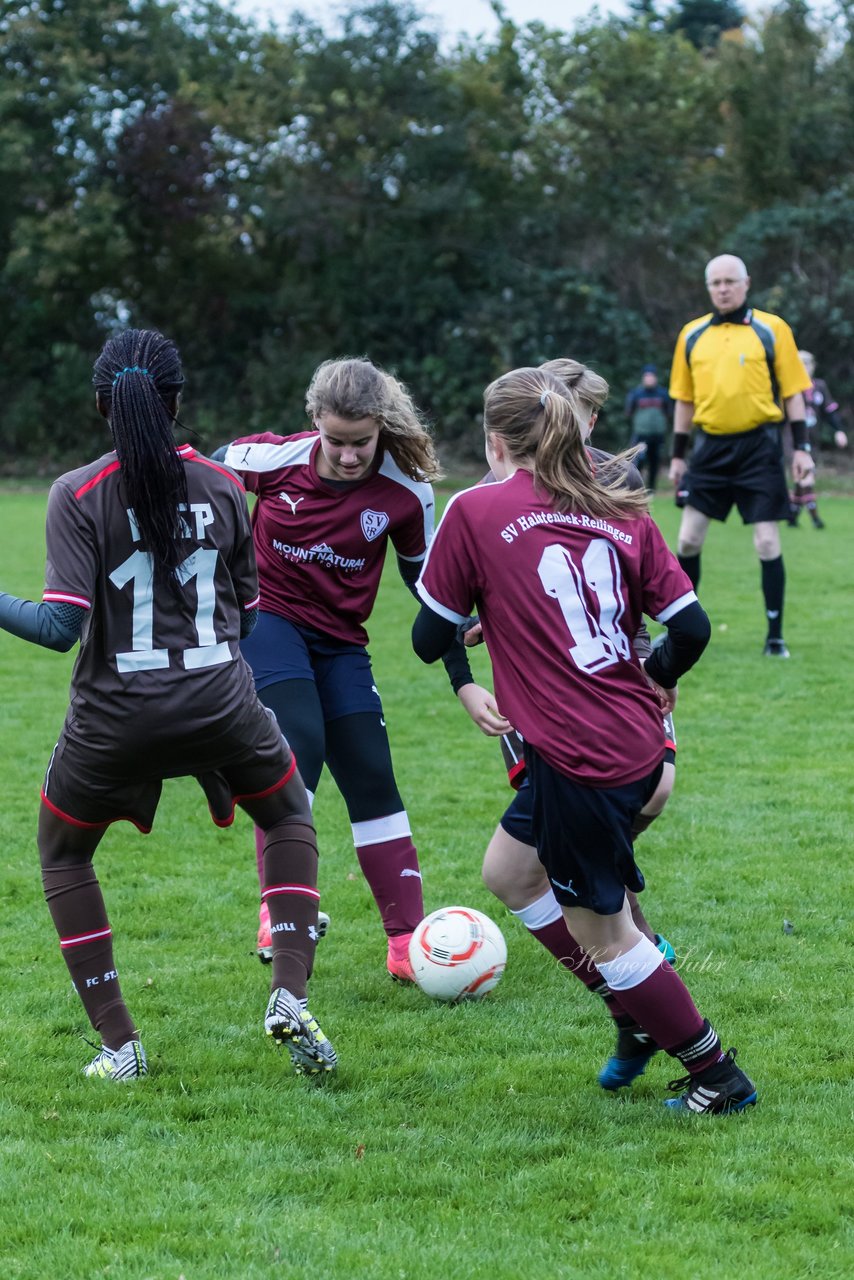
[53,626]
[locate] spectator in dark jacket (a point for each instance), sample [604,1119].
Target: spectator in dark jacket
[648,410]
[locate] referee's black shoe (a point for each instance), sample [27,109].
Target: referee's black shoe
[775,649]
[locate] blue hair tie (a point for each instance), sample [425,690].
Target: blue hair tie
[131,368]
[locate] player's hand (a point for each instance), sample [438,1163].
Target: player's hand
[840,439]
[678,467]
[803,467]
[666,697]
[473,636]
[482,707]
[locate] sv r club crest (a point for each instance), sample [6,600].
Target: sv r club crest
[373,523]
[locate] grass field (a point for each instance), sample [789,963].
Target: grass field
[456,1142]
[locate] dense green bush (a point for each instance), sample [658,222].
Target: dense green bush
[271,198]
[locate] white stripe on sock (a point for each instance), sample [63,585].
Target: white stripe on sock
[633,967]
[540,913]
[378,830]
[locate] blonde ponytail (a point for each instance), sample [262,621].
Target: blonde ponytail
[542,424]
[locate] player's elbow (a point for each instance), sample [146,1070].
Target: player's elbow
[424,650]
[691,630]
[60,643]
[704,631]
[432,635]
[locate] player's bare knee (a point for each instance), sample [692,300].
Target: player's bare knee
[512,871]
[767,546]
[688,546]
[494,874]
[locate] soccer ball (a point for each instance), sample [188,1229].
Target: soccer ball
[457,953]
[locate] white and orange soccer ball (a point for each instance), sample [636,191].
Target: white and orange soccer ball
[457,953]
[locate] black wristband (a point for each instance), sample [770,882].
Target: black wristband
[680,444]
[799,435]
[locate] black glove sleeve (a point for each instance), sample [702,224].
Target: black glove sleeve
[454,656]
[432,635]
[688,633]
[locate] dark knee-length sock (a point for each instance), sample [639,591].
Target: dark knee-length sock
[290,891]
[77,908]
[691,565]
[773,589]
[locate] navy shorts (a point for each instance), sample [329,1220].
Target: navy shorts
[279,650]
[583,835]
[743,470]
[518,820]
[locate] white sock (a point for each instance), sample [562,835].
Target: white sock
[540,913]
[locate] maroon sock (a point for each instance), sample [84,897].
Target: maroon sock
[662,1005]
[290,891]
[557,939]
[76,905]
[391,869]
[701,1051]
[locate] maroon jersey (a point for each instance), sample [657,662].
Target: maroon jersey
[321,545]
[560,596]
[154,663]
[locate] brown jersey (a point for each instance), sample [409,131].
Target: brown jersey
[159,667]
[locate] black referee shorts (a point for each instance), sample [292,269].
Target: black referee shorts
[743,470]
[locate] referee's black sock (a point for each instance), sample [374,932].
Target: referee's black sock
[773,589]
[691,565]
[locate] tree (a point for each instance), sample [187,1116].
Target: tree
[703,22]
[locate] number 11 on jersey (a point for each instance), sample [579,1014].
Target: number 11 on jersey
[597,641]
[139,570]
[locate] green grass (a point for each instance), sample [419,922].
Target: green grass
[455,1142]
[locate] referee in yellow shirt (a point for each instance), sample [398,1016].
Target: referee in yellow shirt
[737,377]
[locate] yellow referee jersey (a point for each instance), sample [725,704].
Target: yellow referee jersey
[737,375]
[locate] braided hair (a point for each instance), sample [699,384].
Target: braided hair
[138,378]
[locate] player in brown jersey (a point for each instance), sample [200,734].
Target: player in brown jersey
[571,554]
[511,867]
[330,500]
[150,564]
